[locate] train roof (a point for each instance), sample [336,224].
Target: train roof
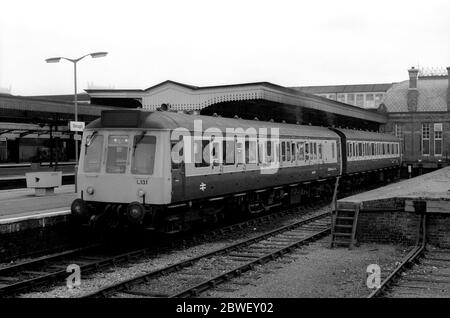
[163,120]
[367,135]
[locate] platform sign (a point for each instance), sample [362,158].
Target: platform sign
[76,126]
[77,137]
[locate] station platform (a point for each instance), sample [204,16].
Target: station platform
[20,209]
[433,187]
[388,214]
[13,171]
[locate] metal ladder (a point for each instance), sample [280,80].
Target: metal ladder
[343,230]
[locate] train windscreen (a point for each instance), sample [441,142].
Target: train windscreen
[117,154]
[143,158]
[93,153]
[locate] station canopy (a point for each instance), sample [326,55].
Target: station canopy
[262,100]
[22,116]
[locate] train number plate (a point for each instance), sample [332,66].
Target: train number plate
[142,181]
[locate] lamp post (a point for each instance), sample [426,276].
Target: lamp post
[75,61]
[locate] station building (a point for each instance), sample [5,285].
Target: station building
[419,114]
[418,111]
[362,95]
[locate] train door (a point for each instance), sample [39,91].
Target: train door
[342,149]
[339,154]
[178,174]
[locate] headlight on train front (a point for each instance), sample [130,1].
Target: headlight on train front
[90,190]
[140,193]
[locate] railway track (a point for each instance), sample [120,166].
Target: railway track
[191,277]
[43,271]
[422,273]
[429,278]
[29,275]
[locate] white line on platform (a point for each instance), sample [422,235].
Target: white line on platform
[34,216]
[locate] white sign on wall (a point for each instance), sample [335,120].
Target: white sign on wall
[76,126]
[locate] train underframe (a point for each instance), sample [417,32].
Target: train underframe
[183,216]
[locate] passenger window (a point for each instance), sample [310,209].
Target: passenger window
[216,151]
[250,151]
[314,150]
[270,156]
[261,152]
[283,151]
[300,150]
[288,151]
[320,151]
[307,151]
[277,152]
[202,153]
[117,154]
[239,152]
[332,150]
[293,152]
[228,152]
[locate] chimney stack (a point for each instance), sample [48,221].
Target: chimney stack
[448,89]
[413,93]
[413,74]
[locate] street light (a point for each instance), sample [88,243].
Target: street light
[75,61]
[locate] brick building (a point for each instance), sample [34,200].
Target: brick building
[419,113]
[361,95]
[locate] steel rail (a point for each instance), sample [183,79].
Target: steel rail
[43,259]
[408,260]
[27,284]
[213,282]
[14,287]
[124,285]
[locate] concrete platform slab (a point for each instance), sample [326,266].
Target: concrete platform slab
[433,186]
[20,209]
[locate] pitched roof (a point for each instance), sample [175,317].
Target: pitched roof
[345,88]
[63,98]
[432,95]
[39,105]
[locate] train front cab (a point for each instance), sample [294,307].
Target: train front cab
[121,174]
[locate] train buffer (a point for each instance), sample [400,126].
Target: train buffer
[343,229]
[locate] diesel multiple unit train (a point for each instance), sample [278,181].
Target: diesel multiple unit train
[166,170]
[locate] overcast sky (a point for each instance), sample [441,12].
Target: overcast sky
[290,43]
